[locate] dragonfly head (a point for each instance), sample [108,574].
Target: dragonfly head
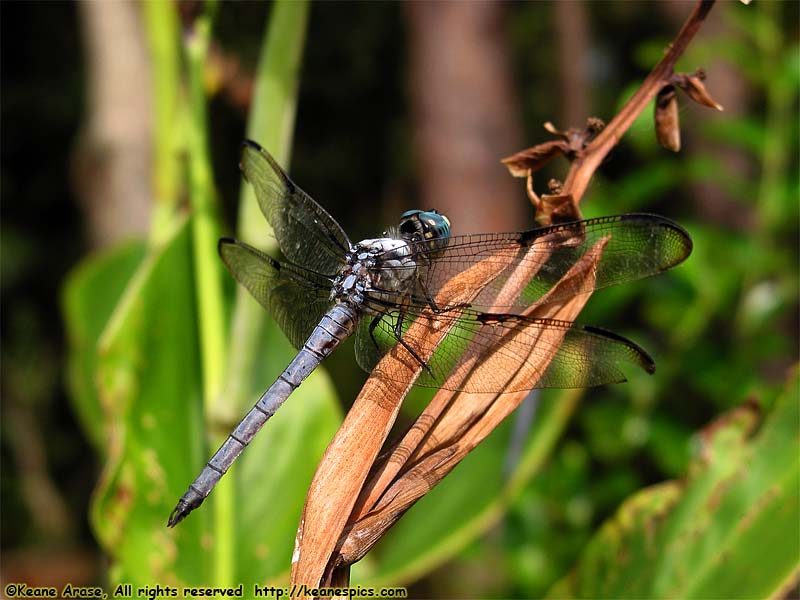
[425,226]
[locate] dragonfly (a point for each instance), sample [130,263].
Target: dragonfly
[327,289]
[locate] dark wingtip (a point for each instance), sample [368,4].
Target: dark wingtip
[178,514]
[644,360]
[266,156]
[247,143]
[225,240]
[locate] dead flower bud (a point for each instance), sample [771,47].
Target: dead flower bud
[594,125]
[696,90]
[576,138]
[555,186]
[557,208]
[668,130]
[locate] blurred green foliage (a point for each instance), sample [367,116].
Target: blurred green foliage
[722,327]
[552,516]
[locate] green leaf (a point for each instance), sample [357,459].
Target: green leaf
[149,387]
[89,296]
[726,532]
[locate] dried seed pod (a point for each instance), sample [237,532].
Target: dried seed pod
[668,131]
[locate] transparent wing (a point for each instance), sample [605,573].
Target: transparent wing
[295,297]
[637,246]
[306,233]
[507,353]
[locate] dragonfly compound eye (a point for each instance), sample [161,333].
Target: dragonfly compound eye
[425,226]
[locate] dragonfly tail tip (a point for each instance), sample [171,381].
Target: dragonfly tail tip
[178,514]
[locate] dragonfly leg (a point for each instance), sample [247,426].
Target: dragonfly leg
[428,297]
[398,326]
[416,356]
[373,324]
[398,332]
[432,303]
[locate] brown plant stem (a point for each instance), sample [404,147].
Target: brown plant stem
[584,165]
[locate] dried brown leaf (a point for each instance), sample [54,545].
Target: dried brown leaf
[454,424]
[555,209]
[347,460]
[340,475]
[532,159]
[391,463]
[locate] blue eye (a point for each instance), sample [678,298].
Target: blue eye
[419,225]
[437,224]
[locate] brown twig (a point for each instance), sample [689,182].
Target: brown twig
[584,166]
[349,507]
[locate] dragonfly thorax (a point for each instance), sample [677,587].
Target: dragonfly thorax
[380,269]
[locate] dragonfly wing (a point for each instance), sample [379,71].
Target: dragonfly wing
[306,233]
[636,246]
[499,353]
[296,298]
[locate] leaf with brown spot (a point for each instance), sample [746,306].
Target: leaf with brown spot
[728,530]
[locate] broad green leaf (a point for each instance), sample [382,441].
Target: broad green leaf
[149,388]
[727,531]
[89,297]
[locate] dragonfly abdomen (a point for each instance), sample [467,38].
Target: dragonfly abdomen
[337,325]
